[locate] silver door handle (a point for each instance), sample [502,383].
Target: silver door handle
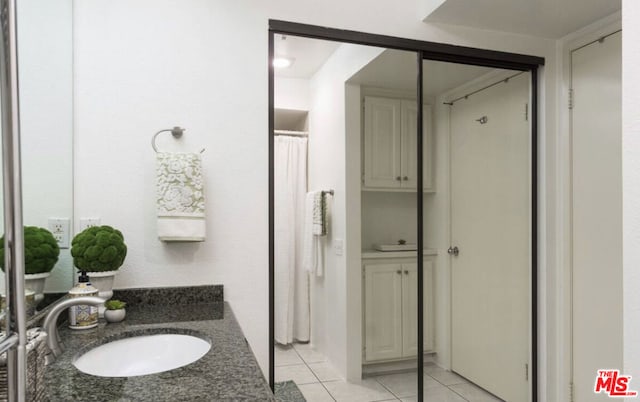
[453,251]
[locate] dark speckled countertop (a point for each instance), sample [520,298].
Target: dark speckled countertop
[228,372]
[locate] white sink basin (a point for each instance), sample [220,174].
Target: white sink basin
[142,355]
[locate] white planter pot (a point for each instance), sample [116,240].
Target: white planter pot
[115,315]
[103,281]
[36,283]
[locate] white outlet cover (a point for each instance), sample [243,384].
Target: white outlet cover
[60,228]
[88,222]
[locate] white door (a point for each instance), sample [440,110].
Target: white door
[490,224]
[410,308]
[383,311]
[597,213]
[382,142]
[409,144]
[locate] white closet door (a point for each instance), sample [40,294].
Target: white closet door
[490,223]
[382,142]
[597,213]
[383,311]
[409,144]
[410,308]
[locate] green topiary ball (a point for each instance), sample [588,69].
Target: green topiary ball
[41,250]
[98,249]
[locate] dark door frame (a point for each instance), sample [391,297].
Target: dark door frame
[429,51]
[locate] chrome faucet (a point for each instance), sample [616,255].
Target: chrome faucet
[51,321]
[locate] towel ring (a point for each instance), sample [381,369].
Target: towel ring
[176,132]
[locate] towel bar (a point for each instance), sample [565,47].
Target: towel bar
[176,132]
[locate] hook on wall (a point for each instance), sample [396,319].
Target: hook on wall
[482,120]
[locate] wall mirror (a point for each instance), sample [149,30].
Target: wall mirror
[45,68]
[398,168]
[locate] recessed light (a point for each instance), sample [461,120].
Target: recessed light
[282,62]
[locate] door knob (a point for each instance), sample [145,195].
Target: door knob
[398,178]
[399,272]
[406,272]
[405,178]
[453,251]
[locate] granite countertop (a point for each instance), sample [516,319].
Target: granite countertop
[228,371]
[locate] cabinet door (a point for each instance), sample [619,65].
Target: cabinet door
[410,308]
[409,146]
[383,311]
[382,142]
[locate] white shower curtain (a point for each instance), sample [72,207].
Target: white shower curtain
[291,280]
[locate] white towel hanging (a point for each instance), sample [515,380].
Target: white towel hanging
[180,197]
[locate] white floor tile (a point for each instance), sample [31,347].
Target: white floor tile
[405,384]
[286,356]
[436,394]
[473,393]
[315,393]
[298,373]
[324,371]
[443,376]
[401,385]
[308,353]
[365,391]
[441,394]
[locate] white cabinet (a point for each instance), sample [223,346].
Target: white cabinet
[383,311]
[391,309]
[390,145]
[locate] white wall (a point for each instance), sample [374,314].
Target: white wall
[145,65]
[631,187]
[388,217]
[291,93]
[331,311]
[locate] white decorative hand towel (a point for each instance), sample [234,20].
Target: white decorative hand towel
[319,213]
[180,202]
[315,227]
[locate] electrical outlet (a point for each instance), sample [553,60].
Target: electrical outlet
[88,222]
[60,228]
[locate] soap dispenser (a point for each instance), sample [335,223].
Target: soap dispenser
[83,316]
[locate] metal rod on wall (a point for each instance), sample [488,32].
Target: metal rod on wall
[505,80]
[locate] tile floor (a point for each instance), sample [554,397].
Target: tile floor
[319,382]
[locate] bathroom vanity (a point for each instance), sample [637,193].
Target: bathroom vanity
[227,371]
[390,302]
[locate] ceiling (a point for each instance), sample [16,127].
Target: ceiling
[395,69]
[543,18]
[308,54]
